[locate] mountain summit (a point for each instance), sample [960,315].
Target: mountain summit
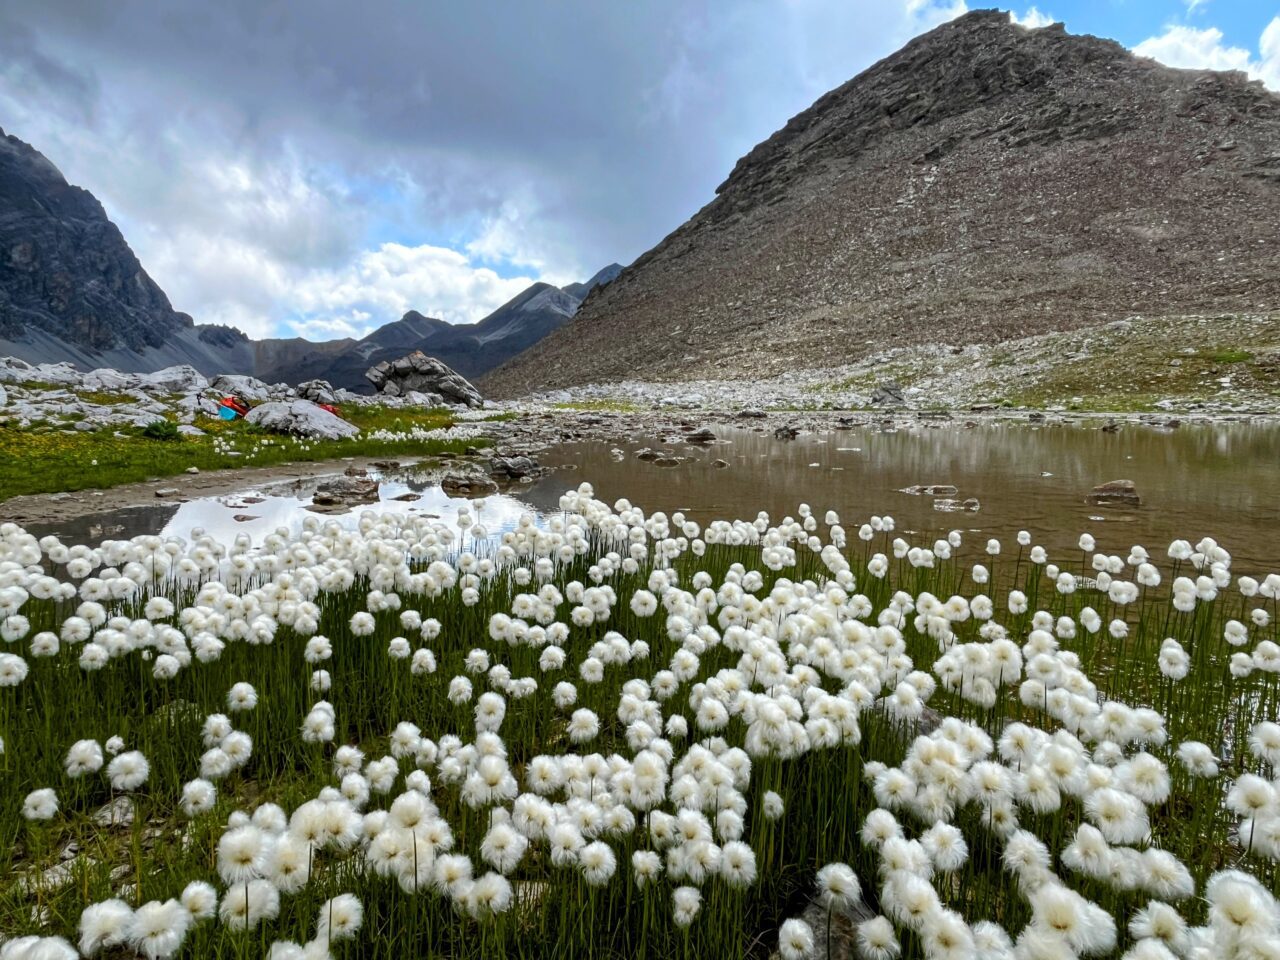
[986,181]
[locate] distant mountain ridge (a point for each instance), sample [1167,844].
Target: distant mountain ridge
[72,290]
[471,349]
[987,181]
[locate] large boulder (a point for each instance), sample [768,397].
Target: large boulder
[301,418]
[317,391]
[418,372]
[14,370]
[108,380]
[419,399]
[182,378]
[251,388]
[889,393]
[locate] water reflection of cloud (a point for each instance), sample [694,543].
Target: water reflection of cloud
[216,515]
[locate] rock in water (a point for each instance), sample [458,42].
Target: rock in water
[301,418]
[418,372]
[467,485]
[1116,491]
[513,468]
[346,490]
[931,490]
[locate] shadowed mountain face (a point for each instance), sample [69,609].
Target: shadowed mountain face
[65,270]
[986,181]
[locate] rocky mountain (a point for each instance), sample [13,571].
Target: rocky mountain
[603,276]
[471,348]
[70,287]
[987,181]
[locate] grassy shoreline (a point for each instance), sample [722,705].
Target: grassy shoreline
[35,461]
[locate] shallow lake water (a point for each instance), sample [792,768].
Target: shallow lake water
[1218,480]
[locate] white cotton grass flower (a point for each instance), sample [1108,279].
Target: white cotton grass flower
[13,669]
[646,867]
[1239,907]
[200,900]
[1161,922]
[38,948]
[1082,925]
[1264,743]
[737,864]
[598,863]
[104,925]
[945,846]
[584,725]
[40,804]
[157,930]
[339,918]
[795,940]
[241,697]
[247,904]
[503,847]
[198,796]
[685,904]
[242,854]
[838,886]
[1198,759]
[128,771]
[877,940]
[774,806]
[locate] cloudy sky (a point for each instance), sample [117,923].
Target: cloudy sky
[319,168]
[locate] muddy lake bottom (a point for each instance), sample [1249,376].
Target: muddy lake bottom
[1215,479]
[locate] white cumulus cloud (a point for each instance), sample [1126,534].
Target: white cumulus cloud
[1194,48]
[387,282]
[1034,19]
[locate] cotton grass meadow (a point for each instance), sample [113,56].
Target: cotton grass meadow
[620,734]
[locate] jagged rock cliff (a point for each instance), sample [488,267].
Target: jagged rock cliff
[65,270]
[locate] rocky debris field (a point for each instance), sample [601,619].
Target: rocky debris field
[1213,365]
[109,399]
